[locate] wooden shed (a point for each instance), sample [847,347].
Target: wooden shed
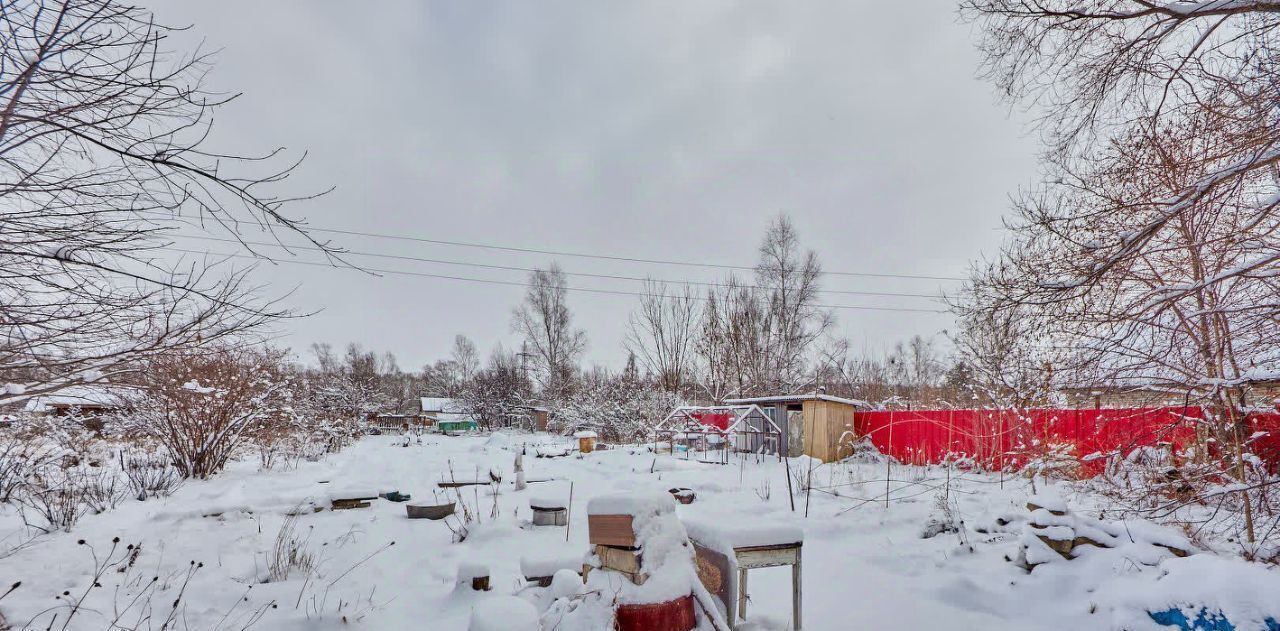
[812,424]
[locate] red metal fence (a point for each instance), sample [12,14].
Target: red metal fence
[994,438]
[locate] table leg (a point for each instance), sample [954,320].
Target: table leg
[795,595]
[742,594]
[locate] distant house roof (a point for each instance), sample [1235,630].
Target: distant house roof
[80,396]
[446,410]
[796,398]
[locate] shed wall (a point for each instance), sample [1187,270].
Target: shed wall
[824,423]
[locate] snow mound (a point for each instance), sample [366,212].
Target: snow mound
[1048,538]
[550,566]
[1243,593]
[504,613]
[468,570]
[565,584]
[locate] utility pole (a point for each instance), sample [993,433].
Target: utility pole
[524,361]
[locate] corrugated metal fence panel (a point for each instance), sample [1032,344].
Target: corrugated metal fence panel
[994,438]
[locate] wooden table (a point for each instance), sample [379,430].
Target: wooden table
[769,556]
[714,567]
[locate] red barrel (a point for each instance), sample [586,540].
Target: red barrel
[673,615]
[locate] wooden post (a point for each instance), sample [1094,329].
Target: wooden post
[887,460]
[568,512]
[795,595]
[790,495]
[742,594]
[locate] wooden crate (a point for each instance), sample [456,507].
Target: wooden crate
[611,530]
[620,559]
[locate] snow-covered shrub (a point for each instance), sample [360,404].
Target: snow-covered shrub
[945,518]
[101,489]
[202,407]
[148,475]
[1213,499]
[20,460]
[55,507]
[620,409]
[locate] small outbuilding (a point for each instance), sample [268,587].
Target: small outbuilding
[719,428]
[586,440]
[814,424]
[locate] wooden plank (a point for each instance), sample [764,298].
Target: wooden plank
[774,546]
[348,504]
[751,559]
[611,530]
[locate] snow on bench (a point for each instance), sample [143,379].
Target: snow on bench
[547,503]
[635,504]
[725,535]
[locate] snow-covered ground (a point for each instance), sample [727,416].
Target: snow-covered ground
[865,563]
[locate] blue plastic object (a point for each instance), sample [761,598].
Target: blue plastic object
[1205,620]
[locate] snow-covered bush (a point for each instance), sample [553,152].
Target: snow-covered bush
[20,460]
[202,407]
[148,475]
[1209,498]
[101,489]
[55,507]
[620,409]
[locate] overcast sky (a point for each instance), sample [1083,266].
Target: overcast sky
[661,130]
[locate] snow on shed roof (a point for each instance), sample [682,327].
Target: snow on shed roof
[812,396]
[74,396]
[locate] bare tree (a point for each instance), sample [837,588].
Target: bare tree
[789,278]
[466,357]
[354,385]
[662,332]
[1149,257]
[104,149]
[1105,69]
[761,337]
[497,394]
[547,326]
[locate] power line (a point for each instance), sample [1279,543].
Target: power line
[419,259]
[606,257]
[512,283]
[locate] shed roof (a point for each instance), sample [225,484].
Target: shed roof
[794,398]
